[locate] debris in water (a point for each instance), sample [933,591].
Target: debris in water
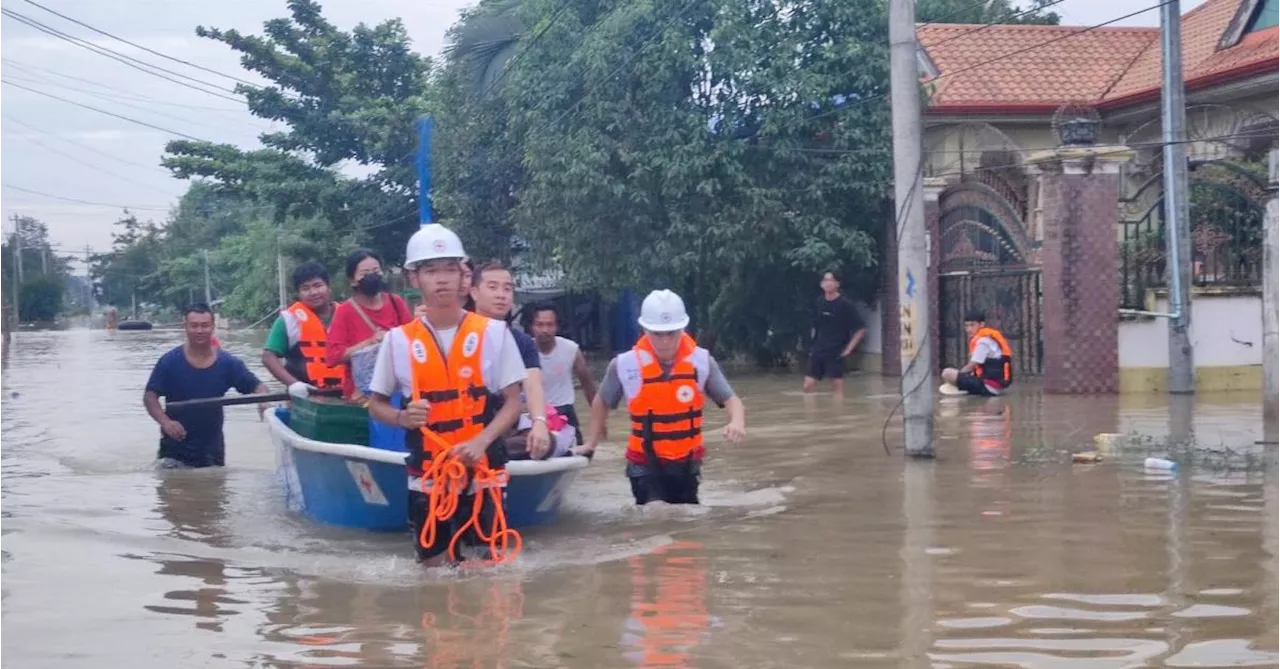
[1086,458]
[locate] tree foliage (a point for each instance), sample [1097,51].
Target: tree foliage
[348,100]
[1000,11]
[42,289]
[727,150]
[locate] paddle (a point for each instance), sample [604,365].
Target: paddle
[233,400]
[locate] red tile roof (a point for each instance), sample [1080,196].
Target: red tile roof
[1016,68]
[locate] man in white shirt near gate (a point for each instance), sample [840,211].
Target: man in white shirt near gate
[990,368]
[561,361]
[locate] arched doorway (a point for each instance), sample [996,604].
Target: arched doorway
[986,262]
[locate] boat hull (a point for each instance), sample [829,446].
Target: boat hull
[357,486]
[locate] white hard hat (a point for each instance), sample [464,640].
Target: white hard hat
[430,242]
[663,311]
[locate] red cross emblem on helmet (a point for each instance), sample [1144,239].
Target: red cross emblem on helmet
[438,245]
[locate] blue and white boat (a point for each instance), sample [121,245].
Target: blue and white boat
[358,486]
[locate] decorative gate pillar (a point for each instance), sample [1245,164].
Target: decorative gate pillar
[1080,255]
[890,323]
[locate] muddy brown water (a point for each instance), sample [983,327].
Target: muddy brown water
[813,548]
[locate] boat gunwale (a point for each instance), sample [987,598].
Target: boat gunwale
[357,452]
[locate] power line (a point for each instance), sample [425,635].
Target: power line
[525,49]
[139,46]
[980,28]
[115,100]
[78,201]
[120,92]
[79,160]
[103,111]
[644,44]
[947,19]
[135,63]
[80,145]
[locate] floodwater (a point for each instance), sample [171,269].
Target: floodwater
[813,549]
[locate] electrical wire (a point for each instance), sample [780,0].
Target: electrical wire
[108,113]
[79,201]
[143,48]
[34,71]
[134,63]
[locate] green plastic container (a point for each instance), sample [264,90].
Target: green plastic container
[330,420]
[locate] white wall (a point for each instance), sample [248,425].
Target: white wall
[871,342]
[1226,331]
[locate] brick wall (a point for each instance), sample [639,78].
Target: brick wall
[1081,289]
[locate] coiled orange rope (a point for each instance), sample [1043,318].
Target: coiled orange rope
[446,481]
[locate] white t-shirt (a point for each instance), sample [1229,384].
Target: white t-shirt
[393,372]
[557,372]
[986,349]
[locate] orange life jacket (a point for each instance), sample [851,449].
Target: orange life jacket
[453,383]
[1000,371]
[665,410]
[312,343]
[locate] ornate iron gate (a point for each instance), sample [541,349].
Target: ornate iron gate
[1011,300]
[986,263]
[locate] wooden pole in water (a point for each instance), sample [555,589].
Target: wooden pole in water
[1271,306]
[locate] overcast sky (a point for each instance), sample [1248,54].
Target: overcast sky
[55,148]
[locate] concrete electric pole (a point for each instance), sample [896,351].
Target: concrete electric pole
[913,253]
[1177,214]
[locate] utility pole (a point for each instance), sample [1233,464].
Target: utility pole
[913,253]
[1177,212]
[17,254]
[44,261]
[1271,304]
[208,292]
[17,237]
[284,295]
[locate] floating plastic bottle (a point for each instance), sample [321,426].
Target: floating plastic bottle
[1159,463]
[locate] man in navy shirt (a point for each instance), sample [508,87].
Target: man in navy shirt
[195,370]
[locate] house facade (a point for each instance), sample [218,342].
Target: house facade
[995,92]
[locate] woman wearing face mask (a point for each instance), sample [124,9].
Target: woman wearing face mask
[359,323]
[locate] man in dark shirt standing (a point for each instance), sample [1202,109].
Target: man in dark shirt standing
[837,329]
[192,437]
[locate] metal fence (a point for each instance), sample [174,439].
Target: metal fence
[1227,211]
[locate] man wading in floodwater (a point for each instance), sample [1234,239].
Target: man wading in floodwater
[665,379]
[192,437]
[452,363]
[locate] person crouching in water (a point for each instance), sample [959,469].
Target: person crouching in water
[665,380]
[453,364]
[990,368]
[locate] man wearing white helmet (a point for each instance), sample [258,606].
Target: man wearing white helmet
[665,380]
[457,367]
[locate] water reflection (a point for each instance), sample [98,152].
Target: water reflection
[668,606]
[475,627]
[193,503]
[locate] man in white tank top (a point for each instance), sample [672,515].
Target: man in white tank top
[561,361]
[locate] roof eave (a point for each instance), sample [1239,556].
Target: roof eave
[1205,81]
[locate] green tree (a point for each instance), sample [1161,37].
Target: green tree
[1000,11]
[41,298]
[129,269]
[716,148]
[348,99]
